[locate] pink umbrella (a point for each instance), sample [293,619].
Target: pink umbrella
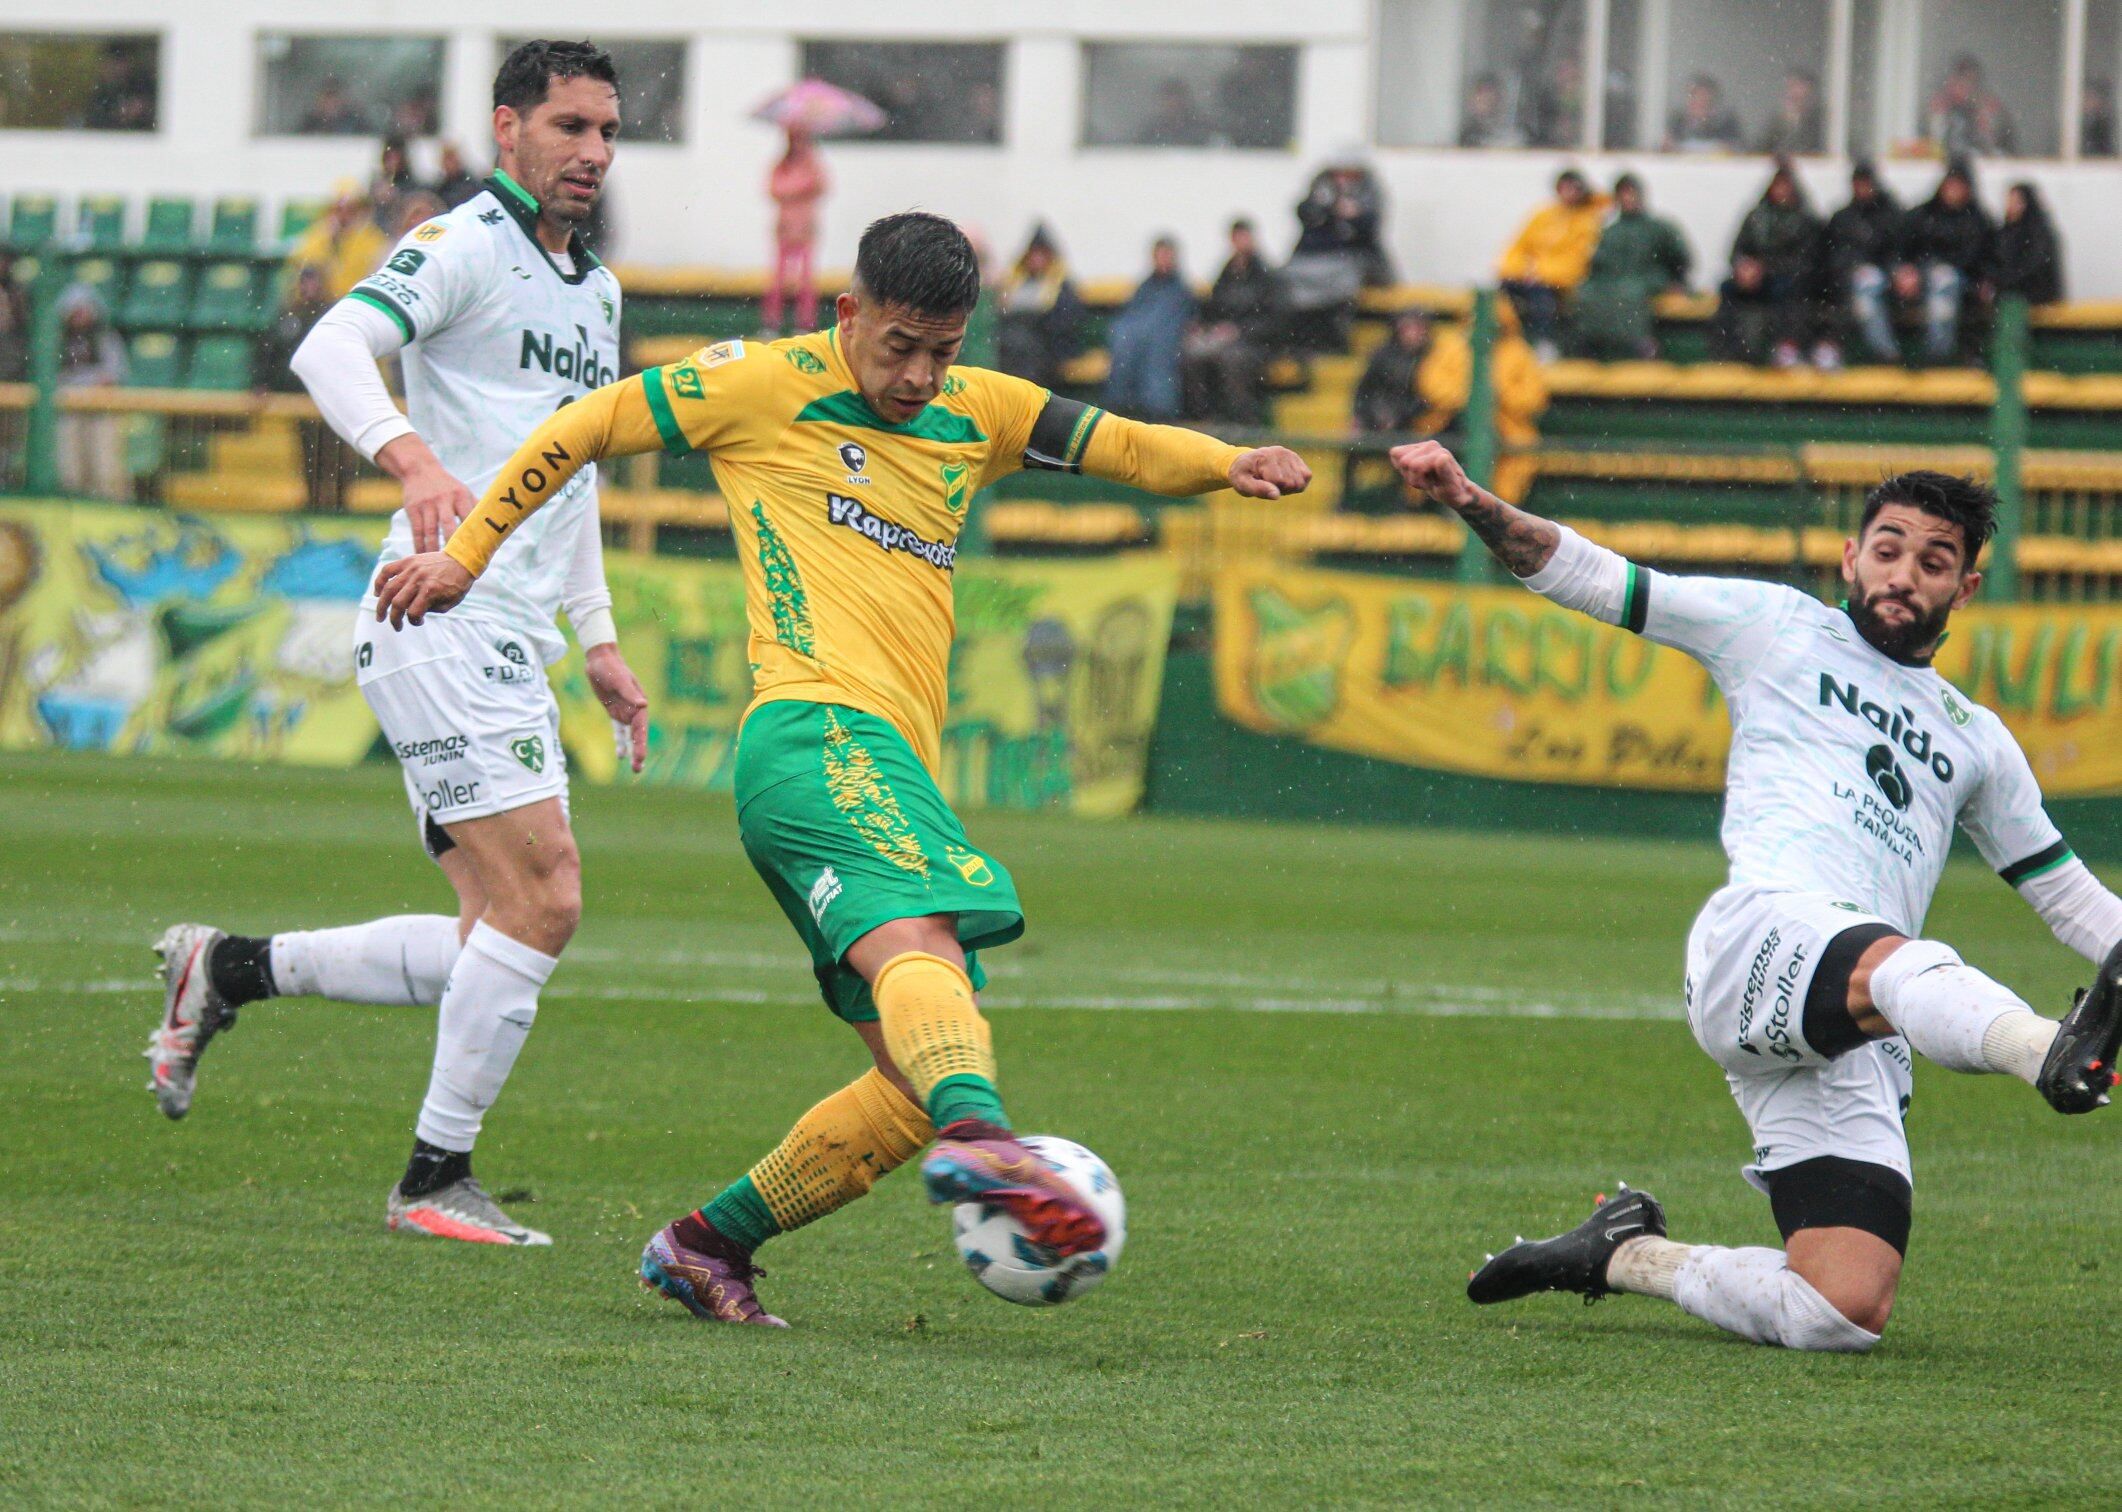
[820,109]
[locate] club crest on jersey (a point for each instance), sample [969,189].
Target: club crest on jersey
[604,302]
[854,459]
[971,865]
[954,475]
[803,361]
[1955,710]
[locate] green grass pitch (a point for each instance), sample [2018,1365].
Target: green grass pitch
[1331,1067]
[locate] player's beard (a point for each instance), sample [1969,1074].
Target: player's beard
[1904,641]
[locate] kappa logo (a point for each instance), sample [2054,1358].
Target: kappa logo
[530,750]
[433,231]
[406,260]
[971,865]
[822,893]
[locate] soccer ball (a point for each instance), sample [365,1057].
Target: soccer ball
[1008,1264]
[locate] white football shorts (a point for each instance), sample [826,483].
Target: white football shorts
[1750,962]
[467,709]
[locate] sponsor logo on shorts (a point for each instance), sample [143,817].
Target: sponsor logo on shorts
[518,669]
[530,750]
[889,537]
[448,795]
[432,752]
[822,893]
[1777,1030]
[972,866]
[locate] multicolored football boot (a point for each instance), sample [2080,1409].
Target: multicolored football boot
[972,1161]
[192,1014]
[707,1285]
[462,1210]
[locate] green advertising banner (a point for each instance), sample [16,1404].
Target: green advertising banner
[145,632]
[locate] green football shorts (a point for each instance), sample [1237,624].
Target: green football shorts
[848,829]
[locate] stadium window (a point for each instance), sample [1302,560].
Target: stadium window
[1481,73]
[1736,75]
[1987,77]
[2095,112]
[944,92]
[1171,94]
[57,81]
[651,86]
[349,86]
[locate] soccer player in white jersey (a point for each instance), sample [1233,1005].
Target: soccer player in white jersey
[501,315]
[1809,979]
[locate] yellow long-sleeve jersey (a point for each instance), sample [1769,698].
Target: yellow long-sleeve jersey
[846,525]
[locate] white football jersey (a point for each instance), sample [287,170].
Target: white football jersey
[499,335]
[1847,769]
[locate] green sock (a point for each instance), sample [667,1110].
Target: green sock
[741,1214]
[965,1096]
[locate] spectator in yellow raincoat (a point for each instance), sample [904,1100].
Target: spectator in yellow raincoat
[1550,256]
[1445,381]
[346,244]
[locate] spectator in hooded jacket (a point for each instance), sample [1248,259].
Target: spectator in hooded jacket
[1145,337]
[1042,317]
[1945,252]
[2025,259]
[91,355]
[1782,234]
[1549,257]
[1639,257]
[1858,252]
[1227,349]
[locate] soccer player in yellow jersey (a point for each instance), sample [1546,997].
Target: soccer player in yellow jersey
[848,458]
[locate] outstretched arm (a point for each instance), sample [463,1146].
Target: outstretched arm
[1523,542]
[1176,462]
[614,421]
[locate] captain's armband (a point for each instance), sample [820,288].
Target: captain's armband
[1061,435]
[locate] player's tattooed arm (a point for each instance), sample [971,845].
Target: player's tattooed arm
[1522,542]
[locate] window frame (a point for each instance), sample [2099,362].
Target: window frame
[46,31]
[1084,44]
[262,70]
[1001,44]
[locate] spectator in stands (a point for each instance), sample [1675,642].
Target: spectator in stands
[1445,381]
[1945,253]
[414,116]
[91,355]
[1749,325]
[1858,251]
[332,112]
[393,178]
[797,183]
[345,241]
[1558,105]
[1145,338]
[1966,120]
[1798,126]
[1238,329]
[455,184]
[2026,259]
[1343,215]
[327,462]
[1639,257]
[1176,121]
[1387,402]
[1782,234]
[1486,122]
[2096,119]
[1549,257]
[1041,315]
[1703,123]
[123,97]
[14,323]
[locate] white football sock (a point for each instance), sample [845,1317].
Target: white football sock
[2017,1044]
[1755,1294]
[1945,1008]
[1647,1265]
[404,959]
[486,1015]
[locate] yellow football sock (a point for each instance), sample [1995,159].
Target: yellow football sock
[838,1149]
[937,1037]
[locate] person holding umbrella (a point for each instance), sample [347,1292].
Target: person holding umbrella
[807,110]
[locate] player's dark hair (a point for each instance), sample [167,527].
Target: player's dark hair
[1958,501]
[920,262]
[527,74]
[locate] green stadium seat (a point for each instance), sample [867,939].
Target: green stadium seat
[32,221]
[157,360]
[220,362]
[235,227]
[102,276]
[297,216]
[228,298]
[99,222]
[160,296]
[169,224]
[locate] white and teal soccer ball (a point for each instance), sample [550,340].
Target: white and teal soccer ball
[1008,1264]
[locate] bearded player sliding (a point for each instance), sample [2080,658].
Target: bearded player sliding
[848,459]
[502,314]
[1808,977]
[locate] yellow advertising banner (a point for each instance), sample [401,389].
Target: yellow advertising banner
[1497,682]
[140,631]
